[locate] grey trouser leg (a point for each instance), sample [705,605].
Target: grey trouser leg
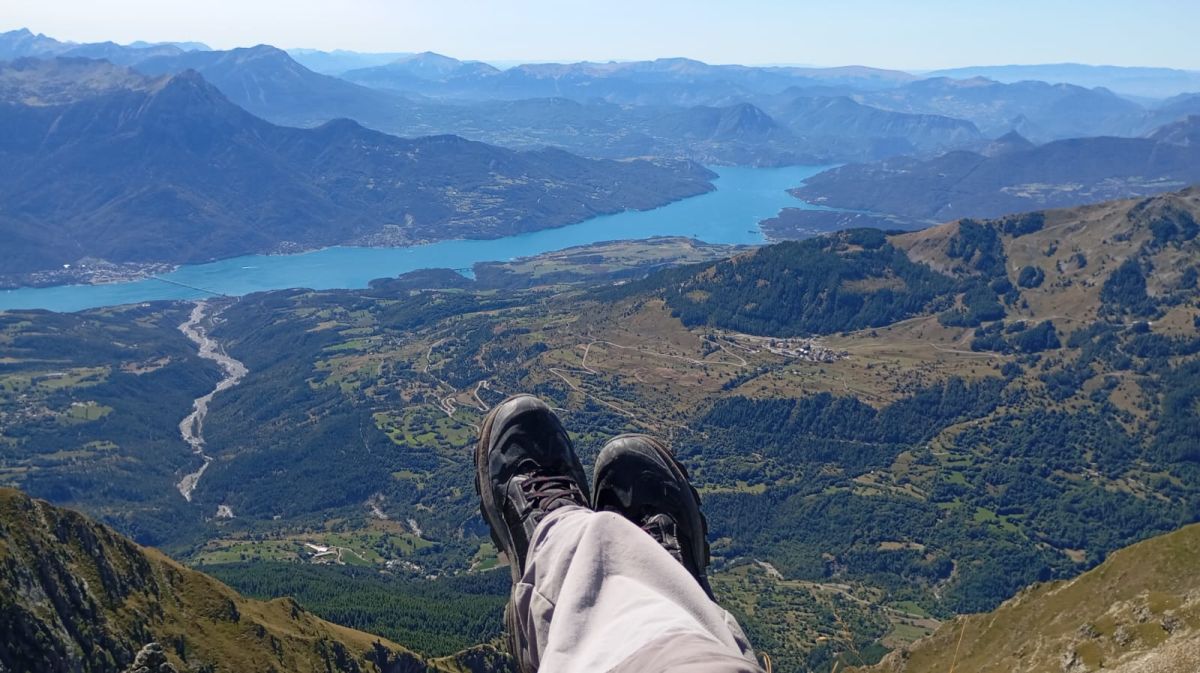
[600,595]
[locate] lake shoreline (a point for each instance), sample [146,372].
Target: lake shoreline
[87,272]
[730,214]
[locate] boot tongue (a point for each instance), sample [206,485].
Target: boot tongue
[662,527]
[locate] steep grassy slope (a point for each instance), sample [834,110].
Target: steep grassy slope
[75,596]
[1139,611]
[1076,250]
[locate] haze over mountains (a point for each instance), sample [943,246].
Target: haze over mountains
[1133,81]
[920,149]
[685,109]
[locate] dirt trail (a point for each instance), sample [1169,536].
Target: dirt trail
[191,428]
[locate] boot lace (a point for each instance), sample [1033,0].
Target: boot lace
[547,492]
[663,529]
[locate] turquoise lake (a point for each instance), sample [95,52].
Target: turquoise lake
[744,196]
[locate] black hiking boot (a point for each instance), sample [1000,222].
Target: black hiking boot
[525,468]
[637,477]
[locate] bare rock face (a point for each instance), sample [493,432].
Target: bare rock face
[151,659]
[1123,636]
[1071,663]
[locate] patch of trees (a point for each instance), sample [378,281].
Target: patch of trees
[980,305]
[1124,291]
[1016,338]
[1188,279]
[816,286]
[1173,226]
[1100,342]
[1067,381]
[433,617]
[1152,345]
[1019,225]
[825,428]
[979,247]
[1178,420]
[1031,277]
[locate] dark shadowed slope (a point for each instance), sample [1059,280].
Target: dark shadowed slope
[169,170]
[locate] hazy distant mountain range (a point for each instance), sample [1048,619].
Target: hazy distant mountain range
[96,161]
[1133,81]
[1037,110]
[677,81]
[666,107]
[919,150]
[427,70]
[22,43]
[339,61]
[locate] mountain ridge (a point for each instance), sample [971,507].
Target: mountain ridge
[1058,174]
[269,83]
[81,597]
[1140,81]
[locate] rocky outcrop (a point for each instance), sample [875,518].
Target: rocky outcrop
[151,659]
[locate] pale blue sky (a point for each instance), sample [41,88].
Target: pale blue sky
[911,34]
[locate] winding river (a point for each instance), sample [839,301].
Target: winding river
[192,427]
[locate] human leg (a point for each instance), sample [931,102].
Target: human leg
[592,591]
[599,594]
